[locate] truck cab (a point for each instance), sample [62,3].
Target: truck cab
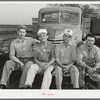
[56,19]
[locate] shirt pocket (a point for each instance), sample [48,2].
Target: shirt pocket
[62,52]
[85,55]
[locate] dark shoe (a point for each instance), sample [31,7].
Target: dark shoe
[34,87]
[26,87]
[2,86]
[83,87]
[76,88]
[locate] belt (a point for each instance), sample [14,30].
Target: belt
[25,57]
[65,64]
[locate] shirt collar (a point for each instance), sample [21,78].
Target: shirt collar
[67,45]
[88,47]
[47,43]
[18,40]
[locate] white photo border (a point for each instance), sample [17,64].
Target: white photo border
[49,94]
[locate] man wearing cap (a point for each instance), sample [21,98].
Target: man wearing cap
[44,59]
[89,58]
[65,59]
[21,56]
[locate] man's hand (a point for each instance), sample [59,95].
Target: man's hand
[65,69]
[41,65]
[94,69]
[45,67]
[89,69]
[21,65]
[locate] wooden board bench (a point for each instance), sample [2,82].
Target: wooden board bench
[15,77]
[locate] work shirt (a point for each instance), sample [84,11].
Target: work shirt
[44,54]
[89,56]
[66,54]
[22,49]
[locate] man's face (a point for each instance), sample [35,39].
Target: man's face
[21,33]
[66,38]
[90,41]
[43,37]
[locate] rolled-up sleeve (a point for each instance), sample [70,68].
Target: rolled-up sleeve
[52,52]
[79,55]
[57,52]
[12,49]
[35,51]
[73,53]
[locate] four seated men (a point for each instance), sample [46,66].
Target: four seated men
[32,56]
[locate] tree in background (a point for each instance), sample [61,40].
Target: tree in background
[86,8]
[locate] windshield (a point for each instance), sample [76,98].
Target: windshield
[67,17]
[50,17]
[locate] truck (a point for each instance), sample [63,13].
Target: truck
[56,19]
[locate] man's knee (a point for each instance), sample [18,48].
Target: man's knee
[9,64]
[74,69]
[28,64]
[49,70]
[34,67]
[58,68]
[81,69]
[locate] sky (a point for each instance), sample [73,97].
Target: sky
[19,13]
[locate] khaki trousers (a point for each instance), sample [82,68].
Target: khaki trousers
[12,66]
[74,72]
[33,70]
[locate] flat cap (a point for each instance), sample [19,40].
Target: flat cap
[22,27]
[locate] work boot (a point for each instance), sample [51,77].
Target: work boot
[26,87]
[2,86]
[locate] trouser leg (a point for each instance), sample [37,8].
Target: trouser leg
[81,77]
[47,78]
[95,77]
[24,74]
[74,76]
[7,70]
[98,85]
[32,71]
[58,77]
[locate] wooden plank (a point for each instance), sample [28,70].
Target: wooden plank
[87,19]
[87,30]
[34,20]
[87,25]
